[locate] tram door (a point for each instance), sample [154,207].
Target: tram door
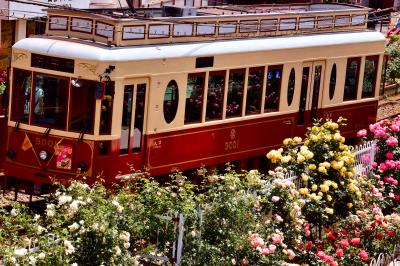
[133,122]
[311,88]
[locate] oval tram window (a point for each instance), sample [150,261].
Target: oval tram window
[171,100]
[291,84]
[332,82]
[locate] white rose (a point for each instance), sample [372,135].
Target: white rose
[20,252]
[41,256]
[275,199]
[13,212]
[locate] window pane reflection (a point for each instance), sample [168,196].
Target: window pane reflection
[194,97]
[215,95]
[21,95]
[235,92]
[50,101]
[370,71]
[351,84]
[82,107]
[274,79]
[254,90]
[107,109]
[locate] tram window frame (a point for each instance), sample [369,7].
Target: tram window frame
[89,107]
[275,107]
[196,100]
[171,111]
[351,88]
[107,108]
[140,111]
[221,73]
[24,103]
[291,86]
[126,120]
[332,81]
[231,93]
[38,113]
[255,107]
[370,92]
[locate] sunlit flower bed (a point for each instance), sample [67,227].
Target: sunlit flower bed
[335,217]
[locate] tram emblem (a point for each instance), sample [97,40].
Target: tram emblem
[233,134]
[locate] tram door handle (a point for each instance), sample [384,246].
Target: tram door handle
[287,122]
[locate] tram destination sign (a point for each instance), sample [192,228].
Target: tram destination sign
[53,63]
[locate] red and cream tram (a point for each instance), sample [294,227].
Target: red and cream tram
[102,94]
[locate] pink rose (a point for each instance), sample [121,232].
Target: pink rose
[374,164]
[339,252]
[276,238]
[395,128]
[391,141]
[272,248]
[362,133]
[380,132]
[344,243]
[395,182]
[291,254]
[244,261]
[363,255]
[321,255]
[265,251]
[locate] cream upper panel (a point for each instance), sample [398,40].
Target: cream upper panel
[158,59]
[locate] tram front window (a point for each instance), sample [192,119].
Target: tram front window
[50,101]
[82,107]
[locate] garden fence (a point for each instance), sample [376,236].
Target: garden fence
[389,259]
[365,156]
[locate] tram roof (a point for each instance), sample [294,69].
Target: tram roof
[85,51]
[176,24]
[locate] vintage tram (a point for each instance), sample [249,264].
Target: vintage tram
[102,93]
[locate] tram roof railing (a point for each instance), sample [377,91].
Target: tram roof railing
[173,24]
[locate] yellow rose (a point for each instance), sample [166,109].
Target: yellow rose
[286,159]
[300,158]
[329,210]
[334,185]
[287,141]
[320,194]
[297,139]
[358,194]
[304,177]
[312,166]
[303,191]
[324,188]
[314,187]
[322,169]
[350,205]
[309,155]
[337,137]
[349,174]
[328,197]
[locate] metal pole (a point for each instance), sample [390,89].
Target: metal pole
[384,75]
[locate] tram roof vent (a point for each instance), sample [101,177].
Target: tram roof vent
[175,11]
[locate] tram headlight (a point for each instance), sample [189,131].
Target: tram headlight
[43,155]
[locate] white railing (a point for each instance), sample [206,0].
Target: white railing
[387,259]
[365,156]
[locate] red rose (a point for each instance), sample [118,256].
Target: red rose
[344,243]
[331,236]
[309,245]
[390,233]
[355,241]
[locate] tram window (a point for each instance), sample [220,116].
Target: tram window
[274,79]
[291,84]
[194,97]
[332,82]
[235,93]
[370,72]
[107,109]
[126,120]
[351,84]
[254,90]
[82,107]
[171,101]
[139,117]
[21,95]
[215,95]
[50,101]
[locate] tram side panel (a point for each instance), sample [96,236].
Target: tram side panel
[188,149]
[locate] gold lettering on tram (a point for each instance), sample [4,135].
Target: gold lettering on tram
[44,142]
